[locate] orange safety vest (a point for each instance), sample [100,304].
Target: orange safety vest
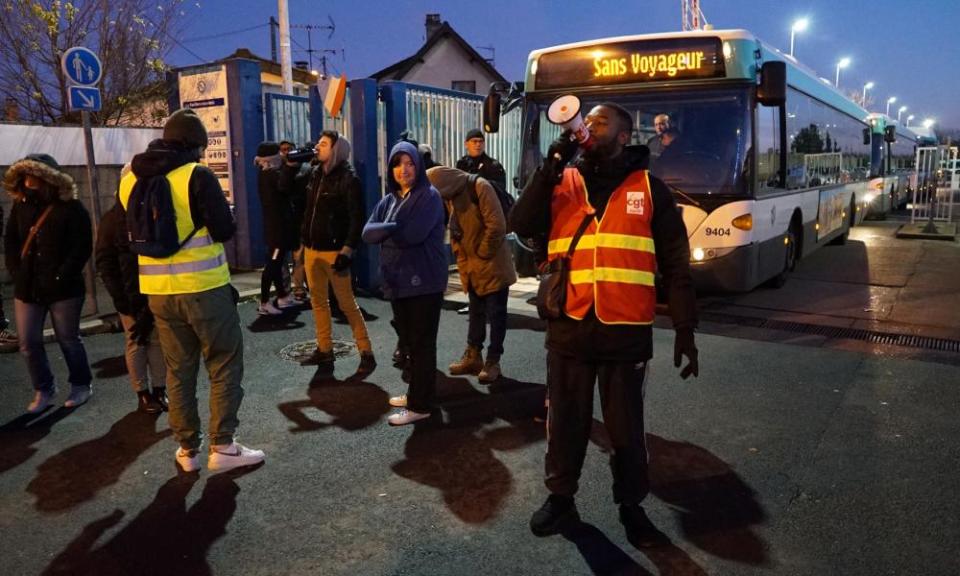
[614,264]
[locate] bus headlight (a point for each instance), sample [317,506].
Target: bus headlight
[704,254]
[698,254]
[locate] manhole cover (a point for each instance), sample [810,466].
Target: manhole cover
[302,350]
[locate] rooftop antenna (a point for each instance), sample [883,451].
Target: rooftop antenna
[692,16]
[310,28]
[493,54]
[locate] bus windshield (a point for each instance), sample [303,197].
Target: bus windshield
[699,140]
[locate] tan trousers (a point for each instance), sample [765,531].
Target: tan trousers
[320,274]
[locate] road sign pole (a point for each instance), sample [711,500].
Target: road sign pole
[93,185]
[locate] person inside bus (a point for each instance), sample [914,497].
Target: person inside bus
[604,333]
[665,137]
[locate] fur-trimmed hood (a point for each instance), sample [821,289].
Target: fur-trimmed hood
[61,181]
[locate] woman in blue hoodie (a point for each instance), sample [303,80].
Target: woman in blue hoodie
[408,225]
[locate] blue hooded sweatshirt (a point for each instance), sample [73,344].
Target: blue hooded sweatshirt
[413,261]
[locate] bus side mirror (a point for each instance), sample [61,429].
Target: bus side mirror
[772,90]
[491,111]
[866,136]
[890,134]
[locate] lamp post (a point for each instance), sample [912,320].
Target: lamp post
[863,99]
[899,112]
[909,118]
[843,63]
[890,101]
[798,26]
[928,123]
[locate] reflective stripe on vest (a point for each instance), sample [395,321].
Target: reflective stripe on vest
[200,265]
[614,265]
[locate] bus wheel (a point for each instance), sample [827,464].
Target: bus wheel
[790,258]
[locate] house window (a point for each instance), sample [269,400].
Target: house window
[464,86]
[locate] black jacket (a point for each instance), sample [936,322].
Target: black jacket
[53,267]
[485,166]
[117,265]
[293,183]
[589,338]
[334,214]
[276,210]
[208,206]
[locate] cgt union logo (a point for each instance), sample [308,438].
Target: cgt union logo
[635,203]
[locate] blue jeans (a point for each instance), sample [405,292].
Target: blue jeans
[65,317]
[491,308]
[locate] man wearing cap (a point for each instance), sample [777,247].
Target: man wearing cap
[191,297]
[477,161]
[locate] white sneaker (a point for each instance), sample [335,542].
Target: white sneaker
[398,401]
[233,456]
[268,309]
[78,396]
[189,460]
[287,301]
[41,400]
[404,417]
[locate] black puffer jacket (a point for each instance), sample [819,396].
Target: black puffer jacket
[293,182]
[52,269]
[277,210]
[486,166]
[334,214]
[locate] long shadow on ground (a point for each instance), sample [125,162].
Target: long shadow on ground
[18,436]
[165,538]
[78,473]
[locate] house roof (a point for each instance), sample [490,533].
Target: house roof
[403,67]
[271,67]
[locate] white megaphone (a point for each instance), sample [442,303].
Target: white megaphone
[565,112]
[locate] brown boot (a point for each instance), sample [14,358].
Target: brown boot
[470,363]
[491,370]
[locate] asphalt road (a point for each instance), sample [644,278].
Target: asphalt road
[779,459]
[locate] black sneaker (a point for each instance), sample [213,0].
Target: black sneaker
[318,358]
[160,397]
[557,513]
[640,530]
[147,404]
[367,363]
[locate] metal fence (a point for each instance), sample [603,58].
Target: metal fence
[933,195]
[287,118]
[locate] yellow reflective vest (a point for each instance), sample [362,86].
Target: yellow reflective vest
[200,265]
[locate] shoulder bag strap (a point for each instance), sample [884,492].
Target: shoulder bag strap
[34,229]
[580,231]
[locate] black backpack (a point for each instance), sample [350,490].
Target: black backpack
[152,219]
[506,200]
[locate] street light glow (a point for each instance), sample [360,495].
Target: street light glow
[863,99]
[909,118]
[890,101]
[899,112]
[843,63]
[928,123]
[798,26]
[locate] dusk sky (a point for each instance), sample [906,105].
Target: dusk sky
[908,48]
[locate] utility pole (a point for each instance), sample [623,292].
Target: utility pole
[286,67]
[273,38]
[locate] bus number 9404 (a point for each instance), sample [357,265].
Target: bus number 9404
[717,232]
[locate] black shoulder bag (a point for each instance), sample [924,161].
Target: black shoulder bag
[552,292]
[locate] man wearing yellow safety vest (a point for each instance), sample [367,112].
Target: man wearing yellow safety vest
[191,297]
[632,230]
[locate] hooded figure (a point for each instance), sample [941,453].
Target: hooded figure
[408,225]
[48,242]
[484,262]
[277,213]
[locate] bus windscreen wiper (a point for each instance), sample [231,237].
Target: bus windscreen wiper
[676,190]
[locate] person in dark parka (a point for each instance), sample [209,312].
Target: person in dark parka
[278,238]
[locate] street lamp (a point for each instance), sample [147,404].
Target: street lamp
[928,123]
[863,99]
[909,118]
[843,63]
[899,112]
[798,26]
[890,101]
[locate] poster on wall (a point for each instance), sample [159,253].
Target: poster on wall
[205,91]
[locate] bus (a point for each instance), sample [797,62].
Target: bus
[774,162]
[895,173]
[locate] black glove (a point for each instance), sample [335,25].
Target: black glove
[142,327]
[683,346]
[342,263]
[563,148]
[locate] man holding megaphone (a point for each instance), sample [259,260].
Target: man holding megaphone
[616,227]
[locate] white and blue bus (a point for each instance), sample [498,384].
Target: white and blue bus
[773,161]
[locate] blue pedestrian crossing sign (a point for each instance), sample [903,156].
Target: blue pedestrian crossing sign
[84,98]
[81,66]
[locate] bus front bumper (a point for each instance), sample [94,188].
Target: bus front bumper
[733,272]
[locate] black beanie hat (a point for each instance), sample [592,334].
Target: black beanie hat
[268,148]
[184,125]
[475,133]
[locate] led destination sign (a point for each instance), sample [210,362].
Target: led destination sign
[631,62]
